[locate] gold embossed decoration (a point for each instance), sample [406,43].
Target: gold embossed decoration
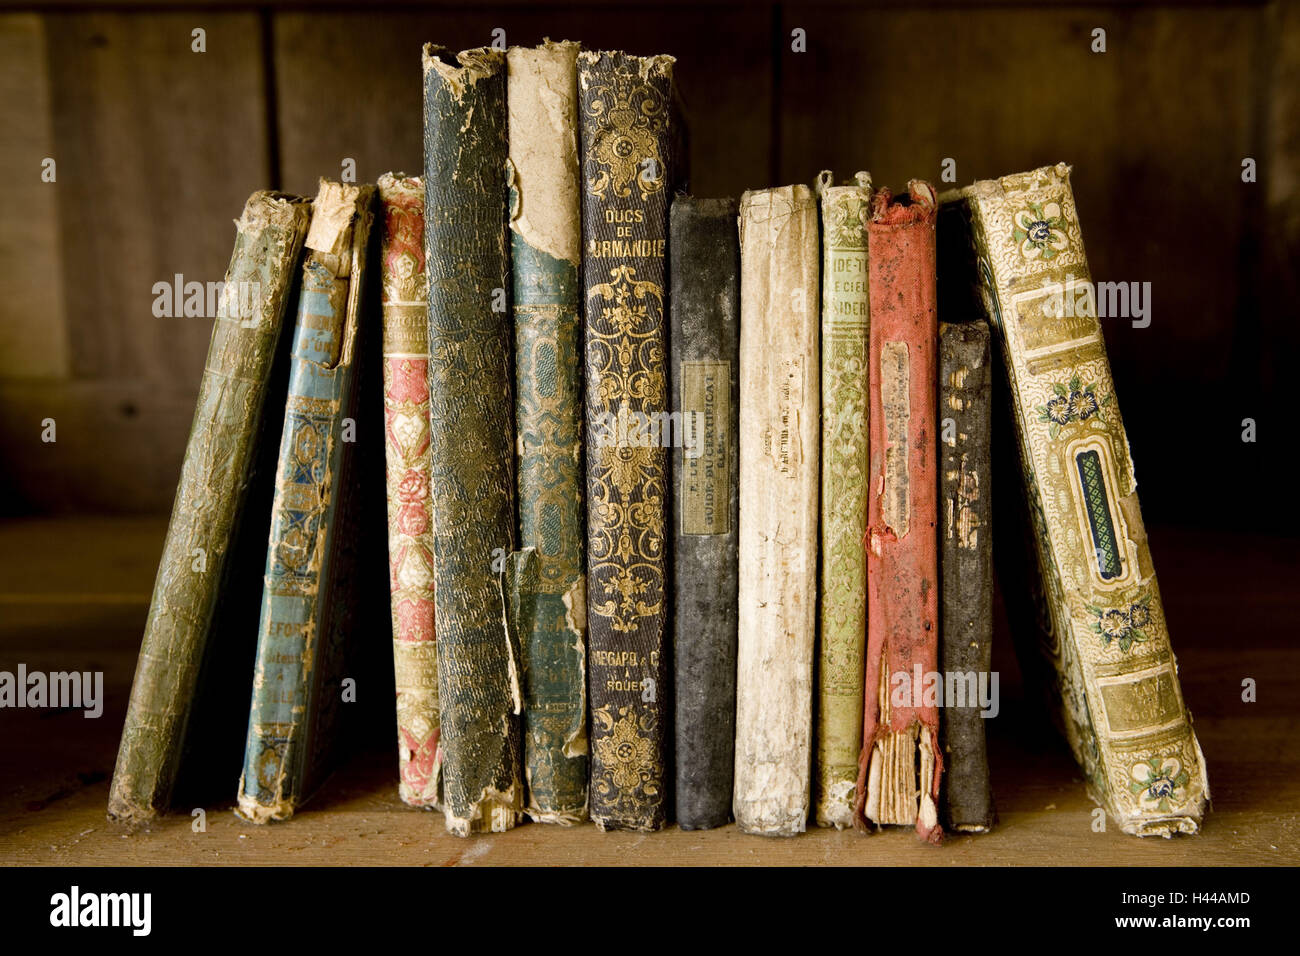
[631,115]
[627,484]
[632,772]
[627,182]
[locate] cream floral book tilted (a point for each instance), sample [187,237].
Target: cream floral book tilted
[1122,706]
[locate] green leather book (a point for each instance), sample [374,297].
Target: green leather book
[546,242]
[471,435]
[204,609]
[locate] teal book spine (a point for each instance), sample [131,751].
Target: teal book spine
[303,620]
[546,241]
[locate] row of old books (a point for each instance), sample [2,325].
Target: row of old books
[688,500]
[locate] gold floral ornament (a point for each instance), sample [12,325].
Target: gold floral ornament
[630,117]
[1040,231]
[626,591]
[626,754]
[626,467]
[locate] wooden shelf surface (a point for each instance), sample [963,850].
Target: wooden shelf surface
[74,594]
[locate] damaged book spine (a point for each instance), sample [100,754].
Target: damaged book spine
[405,307]
[471,437]
[901,764]
[546,244]
[1117,686]
[845,310]
[303,608]
[216,526]
[705,356]
[628,166]
[779,405]
[965,571]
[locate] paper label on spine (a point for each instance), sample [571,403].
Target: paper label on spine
[895,396]
[706,447]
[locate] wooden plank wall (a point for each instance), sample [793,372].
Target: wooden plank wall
[157,147]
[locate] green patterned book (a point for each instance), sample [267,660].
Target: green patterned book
[1117,691]
[206,594]
[471,437]
[845,212]
[546,243]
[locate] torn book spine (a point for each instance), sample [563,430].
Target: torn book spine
[306,600]
[901,763]
[471,414]
[546,241]
[207,590]
[965,573]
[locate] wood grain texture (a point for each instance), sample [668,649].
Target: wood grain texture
[369,64]
[52,807]
[158,148]
[1014,84]
[1012,88]
[33,335]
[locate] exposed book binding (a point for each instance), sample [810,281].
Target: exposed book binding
[901,764]
[546,242]
[471,412]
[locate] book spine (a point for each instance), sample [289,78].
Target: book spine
[405,307]
[779,405]
[704,307]
[627,165]
[845,306]
[296,634]
[546,246]
[209,523]
[901,764]
[471,431]
[1123,709]
[966,572]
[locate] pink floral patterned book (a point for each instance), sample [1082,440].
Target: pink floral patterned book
[410,516]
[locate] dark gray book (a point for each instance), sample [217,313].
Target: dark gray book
[965,572]
[704,267]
